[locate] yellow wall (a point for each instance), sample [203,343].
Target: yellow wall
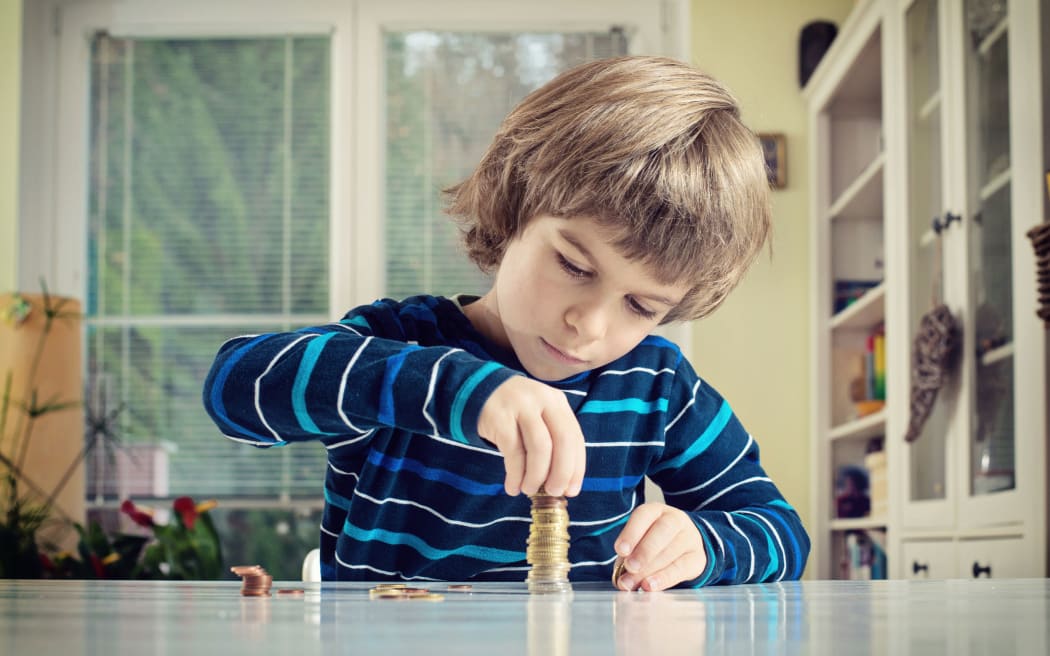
[10,65]
[755,348]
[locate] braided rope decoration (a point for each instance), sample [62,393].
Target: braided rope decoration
[1040,236]
[933,355]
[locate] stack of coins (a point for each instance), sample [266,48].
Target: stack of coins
[256,581]
[547,550]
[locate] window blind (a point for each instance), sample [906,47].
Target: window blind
[208,218]
[446,94]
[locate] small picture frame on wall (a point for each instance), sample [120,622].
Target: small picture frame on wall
[774,148]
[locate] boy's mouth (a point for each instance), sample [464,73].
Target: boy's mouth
[560,355]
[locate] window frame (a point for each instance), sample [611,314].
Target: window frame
[54,150]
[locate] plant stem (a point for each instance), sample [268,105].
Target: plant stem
[16,475]
[38,355]
[5,403]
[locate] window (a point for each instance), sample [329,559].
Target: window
[446,94]
[226,168]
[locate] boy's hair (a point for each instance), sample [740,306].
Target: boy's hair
[648,146]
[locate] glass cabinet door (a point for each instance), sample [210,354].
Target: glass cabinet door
[927,478]
[992,462]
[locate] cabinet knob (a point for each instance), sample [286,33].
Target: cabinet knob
[978,570]
[939,224]
[916,567]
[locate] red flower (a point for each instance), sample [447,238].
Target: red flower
[138,516]
[187,510]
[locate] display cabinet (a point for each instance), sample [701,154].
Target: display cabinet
[850,292]
[955,182]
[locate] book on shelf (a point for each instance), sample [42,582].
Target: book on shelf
[848,291]
[868,389]
[864,555]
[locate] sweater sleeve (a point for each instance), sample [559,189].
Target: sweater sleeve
[347,379]
[710,468]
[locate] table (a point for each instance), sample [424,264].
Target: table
[814,617]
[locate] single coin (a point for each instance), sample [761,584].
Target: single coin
[618,569]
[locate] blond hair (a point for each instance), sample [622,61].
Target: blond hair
[648,146]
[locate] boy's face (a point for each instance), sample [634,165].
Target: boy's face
[567,301]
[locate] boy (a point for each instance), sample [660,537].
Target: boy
[624,194]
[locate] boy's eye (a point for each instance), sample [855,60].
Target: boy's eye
[640,309]
[572,269]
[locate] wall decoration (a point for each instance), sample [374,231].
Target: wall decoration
[774,148]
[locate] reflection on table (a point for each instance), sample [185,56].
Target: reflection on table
[823,617]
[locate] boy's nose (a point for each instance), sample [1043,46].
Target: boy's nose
[589,320]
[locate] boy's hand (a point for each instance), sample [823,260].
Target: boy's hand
[661,547]
[534,428]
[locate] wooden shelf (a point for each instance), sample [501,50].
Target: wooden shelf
[995,184]
[997,354]
[864,312]
[863,197]
[930,107]
[858,523]
[863,428]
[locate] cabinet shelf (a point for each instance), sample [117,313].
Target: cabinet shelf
[988,42]
[858,523]
[930,107]
[864,312]
[862,198]
[997,354]
[995,185]
[863,428]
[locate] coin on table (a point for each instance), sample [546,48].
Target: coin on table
[618,569]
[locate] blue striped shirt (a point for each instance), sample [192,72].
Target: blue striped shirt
[393,392]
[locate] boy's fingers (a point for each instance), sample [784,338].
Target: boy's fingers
[634,530]
[537,442]
[656,549]
[684,568]
[514,464]
[564,465]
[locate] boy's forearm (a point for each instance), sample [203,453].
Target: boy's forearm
[273,389]
[756,544]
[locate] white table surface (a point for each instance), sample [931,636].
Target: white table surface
[818,617]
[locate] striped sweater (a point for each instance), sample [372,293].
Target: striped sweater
[393,392]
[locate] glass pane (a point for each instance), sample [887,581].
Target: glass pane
[992,452]
[446,95]
[992,459]
[209,214]
[927,454]
[149,380]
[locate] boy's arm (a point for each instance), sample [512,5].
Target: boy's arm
[711,470]
[343,379]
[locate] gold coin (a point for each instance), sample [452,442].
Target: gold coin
[618,570]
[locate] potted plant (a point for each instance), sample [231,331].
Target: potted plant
[41,429]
